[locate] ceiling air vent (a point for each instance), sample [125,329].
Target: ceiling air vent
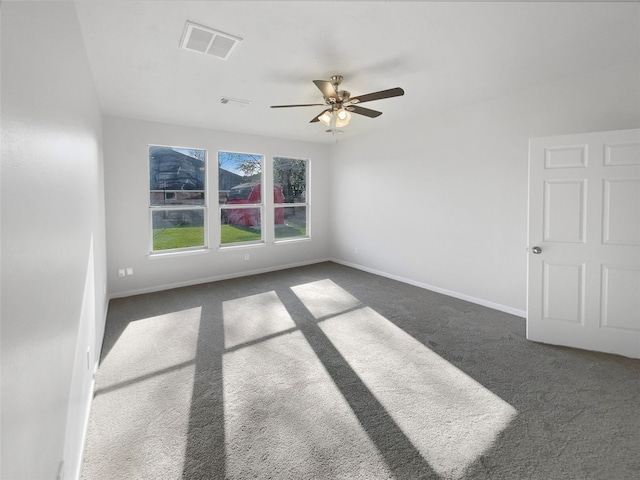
[207,40]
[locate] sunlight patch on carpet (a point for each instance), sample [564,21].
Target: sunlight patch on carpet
[449,417]
[253,318]
[325,298]
[146,384]
[152,344]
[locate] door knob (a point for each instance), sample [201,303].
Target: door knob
[536,250]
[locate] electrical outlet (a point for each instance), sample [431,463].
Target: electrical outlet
[129,271]
[246,256]
[121,272]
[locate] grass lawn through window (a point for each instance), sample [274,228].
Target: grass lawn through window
[177,237]
[238,233]
[290,229]
[188,237]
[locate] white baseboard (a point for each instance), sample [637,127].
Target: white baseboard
[217,278]
[443,291]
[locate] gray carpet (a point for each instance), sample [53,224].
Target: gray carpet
[326,372]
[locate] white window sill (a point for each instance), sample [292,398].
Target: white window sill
[240,246]
[286,241]
[179,253]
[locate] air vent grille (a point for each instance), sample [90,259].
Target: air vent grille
[197,38]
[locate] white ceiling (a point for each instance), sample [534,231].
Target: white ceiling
[444,55]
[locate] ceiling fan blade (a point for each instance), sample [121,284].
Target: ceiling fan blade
[367,112]
[299,105]
[392,92]
[317,117]
[326,88]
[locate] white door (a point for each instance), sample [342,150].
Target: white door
[584,241]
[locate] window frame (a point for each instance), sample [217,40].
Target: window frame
[242,206]
[167,208]
[306,204]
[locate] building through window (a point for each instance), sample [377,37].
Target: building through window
[177,198]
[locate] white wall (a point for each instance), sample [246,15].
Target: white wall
[441,201]
[127,205]
[53,239]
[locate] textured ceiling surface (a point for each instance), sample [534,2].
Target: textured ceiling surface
[444,55]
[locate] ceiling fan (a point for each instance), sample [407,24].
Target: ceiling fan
[341,104]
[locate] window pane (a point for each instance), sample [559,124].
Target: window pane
[240,225]
[291,222]
[239,178]
[176,176]
[290,180]
[180,197]
[177,228]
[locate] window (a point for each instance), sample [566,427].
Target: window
[177,200]
[240,198]
[290,197]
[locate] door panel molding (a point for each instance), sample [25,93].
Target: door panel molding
[564,210]
[620,286]
[621,211]
[572,156]
[563,293]
[622,154]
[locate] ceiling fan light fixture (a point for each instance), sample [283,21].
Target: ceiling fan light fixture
[325,118]
[342,118]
